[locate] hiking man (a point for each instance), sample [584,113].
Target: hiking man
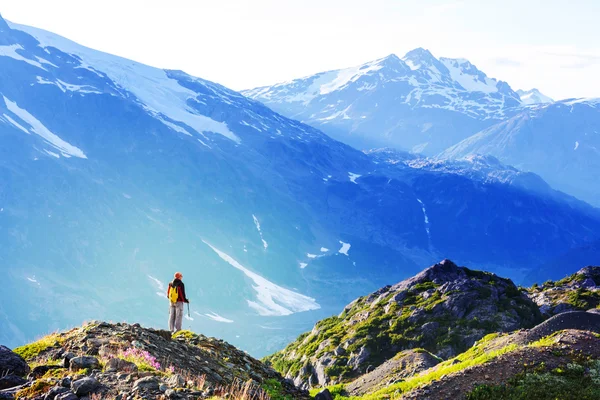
[176,295]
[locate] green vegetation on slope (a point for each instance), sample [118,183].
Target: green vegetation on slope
[574,381]
[423,314]
[32,350]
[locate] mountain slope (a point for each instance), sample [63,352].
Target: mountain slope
[114,175]
[443,309]
[560,142]
[417,103]
[449,330]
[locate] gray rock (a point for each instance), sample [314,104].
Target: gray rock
[12,363]
[147,383]
[324,395]
[175,381]
[66,396]
[84,362]
[118,364]
[66,382]
[588,283]
[85,386]
[55,391]
[67,357]
[10,381]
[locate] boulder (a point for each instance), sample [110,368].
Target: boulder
[324,395]
[67,357]
[84,362]
[118,365]
[10,381]
[66,396]
[12,363]
[147,383]
[55,391]
[84,386]
[176,381]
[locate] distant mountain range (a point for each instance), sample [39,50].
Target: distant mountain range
[559,141]
[447,108]
[114,175]
[417,102]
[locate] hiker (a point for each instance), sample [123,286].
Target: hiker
[176,295]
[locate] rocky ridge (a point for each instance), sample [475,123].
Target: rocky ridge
[580,291]
[120,361]
[445,309]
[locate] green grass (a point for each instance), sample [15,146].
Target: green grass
[573,381]
[474,356]
[338,392]
[275,390]
[32,350]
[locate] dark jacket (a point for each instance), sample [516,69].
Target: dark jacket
[181,289]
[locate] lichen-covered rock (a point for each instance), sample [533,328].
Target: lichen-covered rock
[577,292]
[444,310]
[84,362]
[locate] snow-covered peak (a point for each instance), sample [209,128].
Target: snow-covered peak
[419,58]
[533,96]
[468,76]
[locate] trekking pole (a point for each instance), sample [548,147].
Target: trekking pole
[188,310]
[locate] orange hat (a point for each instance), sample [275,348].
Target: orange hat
[178,275]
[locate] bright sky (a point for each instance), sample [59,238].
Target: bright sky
[553,45]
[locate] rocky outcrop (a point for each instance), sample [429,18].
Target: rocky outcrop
[443,310]
[406,364]
[12,363]
[121,361]
[578,292]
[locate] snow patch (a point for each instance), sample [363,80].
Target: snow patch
[344,249]
[425,217]
[273,300]
[15,123]
[257,224]
[39,129]
[353,177]
[158,93]
[11,51]
[216,317]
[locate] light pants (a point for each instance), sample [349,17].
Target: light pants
[175,316]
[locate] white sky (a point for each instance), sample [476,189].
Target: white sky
[553,45]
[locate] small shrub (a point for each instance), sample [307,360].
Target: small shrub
[38,388]
[185,334]
[143,359]
[32,350]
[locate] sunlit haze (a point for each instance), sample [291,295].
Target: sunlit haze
[551,45]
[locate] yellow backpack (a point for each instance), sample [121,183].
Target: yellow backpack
[173,294]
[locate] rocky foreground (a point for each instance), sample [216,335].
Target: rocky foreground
[451,333]
[448,333]
[121,361]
